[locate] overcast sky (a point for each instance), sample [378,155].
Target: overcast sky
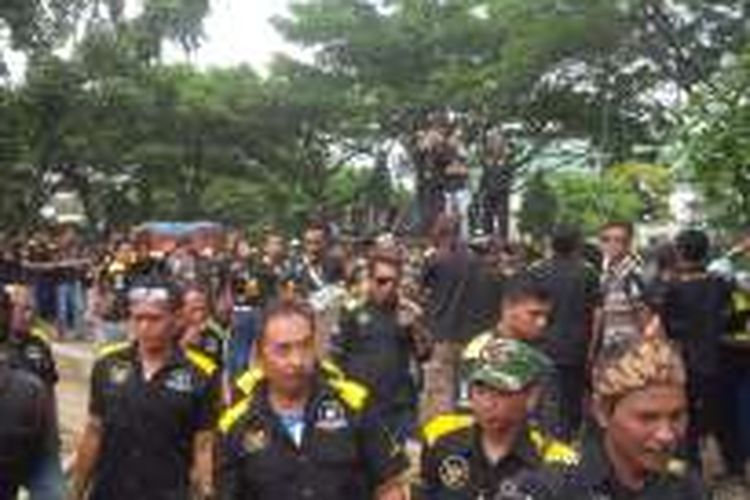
[239,31]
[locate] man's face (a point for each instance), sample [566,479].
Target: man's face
[615,243]
[243,250]
[498,412]
[22,312]
[525,319]
[151,323]
[125,251]
[274,247]
[314,241]
[385,280]
[645,427]
[195,310]
[288,354]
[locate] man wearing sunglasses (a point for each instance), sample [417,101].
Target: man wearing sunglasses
[375,343]
[151,412]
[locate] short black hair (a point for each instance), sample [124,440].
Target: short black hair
[384,256]
[157,282]
[566,240]
[522,288]
[692,245]
[285,309]
[626,226]
[316,224]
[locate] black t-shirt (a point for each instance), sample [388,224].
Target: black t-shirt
[484,296]
[594,479]
[696,310]
[455,467]
[12,271]
[372,347]
[449,279]
[574,289]
[27,430]
[149,425]
[344,453]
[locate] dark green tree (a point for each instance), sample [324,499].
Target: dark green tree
[713,147]
[539,208]
[552,70]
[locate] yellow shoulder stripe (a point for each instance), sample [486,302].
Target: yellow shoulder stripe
[41,333]
[332,369]
[352,304]
[247,382]
[110,349]
[117,267]
[676,467]
[741,301]
[232,415]
[203,362]
[212,324]
[553,451]
[442,425]
[353,393]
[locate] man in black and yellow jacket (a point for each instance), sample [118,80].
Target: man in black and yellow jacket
[152,411]
[28,336]
[493,452]
[304,430]
[200,331]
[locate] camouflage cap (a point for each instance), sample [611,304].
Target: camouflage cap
[505,364]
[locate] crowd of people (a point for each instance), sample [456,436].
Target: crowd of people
[382,367]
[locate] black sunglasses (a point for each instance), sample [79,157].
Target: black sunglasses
[382,281]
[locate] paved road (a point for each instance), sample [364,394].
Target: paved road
[74,364]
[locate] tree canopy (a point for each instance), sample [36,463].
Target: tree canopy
[138,138]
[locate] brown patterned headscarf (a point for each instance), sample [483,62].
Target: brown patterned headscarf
[652,360]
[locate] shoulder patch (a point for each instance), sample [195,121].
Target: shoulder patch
[354,394]
[201,361]
[442,425]
[110,349]
[553,451]
[232,415]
